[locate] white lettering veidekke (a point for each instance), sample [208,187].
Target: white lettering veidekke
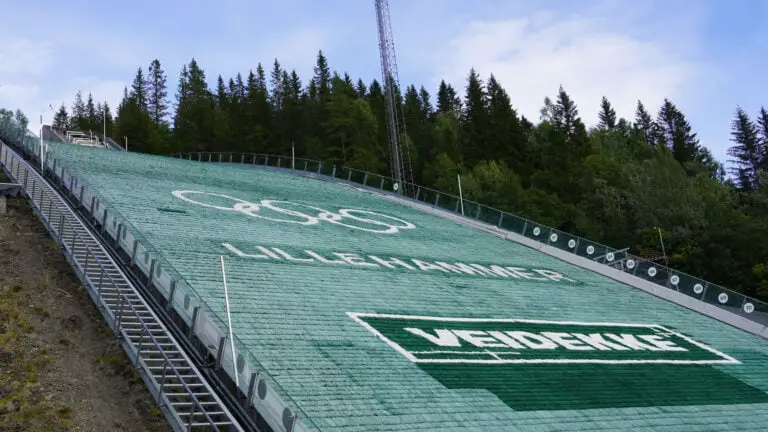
[546,340]
[391,263]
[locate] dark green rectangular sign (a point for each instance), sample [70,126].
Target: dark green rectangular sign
[503,341]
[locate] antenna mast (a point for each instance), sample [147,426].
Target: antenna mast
[401,158]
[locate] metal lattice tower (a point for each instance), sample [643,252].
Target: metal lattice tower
[401,158]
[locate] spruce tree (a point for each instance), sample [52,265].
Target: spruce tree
[506,135]
[61,119]
[78,118]
[157,102]
[447,99]
[276,83]
[322,78]
[607,115]
[747,150]
[645,125]
[362,90]
[762,123]
[475,121]
[139,90]
[93,121]
[676,134]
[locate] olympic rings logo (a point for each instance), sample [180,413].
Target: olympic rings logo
[372,223]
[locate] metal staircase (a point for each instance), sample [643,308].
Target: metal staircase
[187,400]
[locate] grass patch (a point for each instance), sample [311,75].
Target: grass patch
[23,404]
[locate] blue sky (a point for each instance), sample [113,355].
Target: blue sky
[708,56]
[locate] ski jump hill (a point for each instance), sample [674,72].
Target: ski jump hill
[354,310]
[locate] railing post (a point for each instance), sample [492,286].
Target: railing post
[61,226]
[219,157]
[141,340]
[381,186]
[191,415]
[242,157]
[230,157]
[365,179]
[133,254]
[349,176]
[101,281]
[251,387]
[162,380]
[333,173]
[151,273]
[219,352]
[119,316]
[169,306]
[87,252]
[104,221]
[191,330]
[501,217]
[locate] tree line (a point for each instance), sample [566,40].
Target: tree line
[620,182]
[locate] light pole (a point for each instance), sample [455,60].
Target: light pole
[104,112]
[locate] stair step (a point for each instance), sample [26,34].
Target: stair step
[191,403]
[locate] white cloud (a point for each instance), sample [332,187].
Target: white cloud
[20,57]
[531,57]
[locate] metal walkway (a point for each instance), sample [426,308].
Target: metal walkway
[187,400]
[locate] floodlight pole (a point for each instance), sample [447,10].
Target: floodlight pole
[104,112]
[229,322]
[663,252]
[42,153]
[461,197]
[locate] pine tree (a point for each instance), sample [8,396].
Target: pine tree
[748,150]
[607,115]
[157,102]
[61,119]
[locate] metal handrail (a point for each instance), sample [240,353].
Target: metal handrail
[65,222]
[701,288]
